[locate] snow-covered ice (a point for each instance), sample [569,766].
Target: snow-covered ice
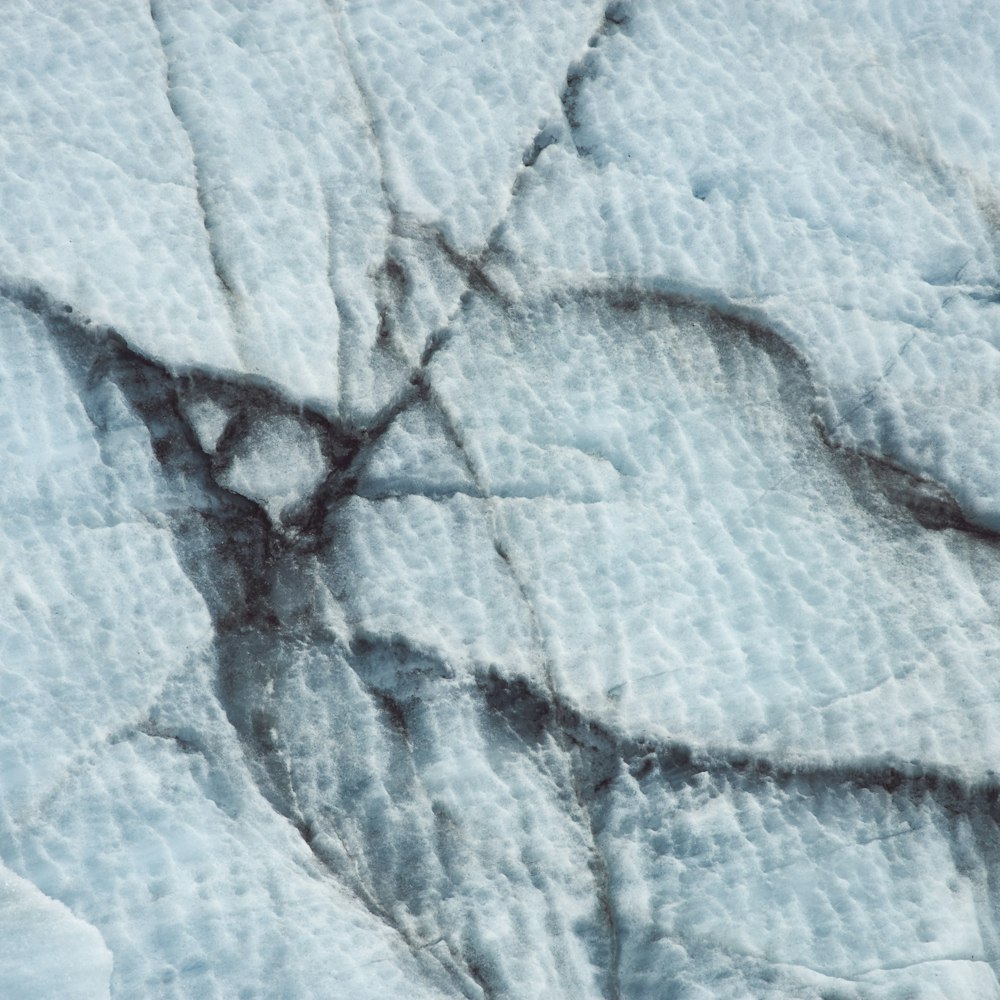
[499,500]
[46,951]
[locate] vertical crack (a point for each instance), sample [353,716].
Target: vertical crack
[338,14]
[366,104]
[569,748]
[615,18]
[228,537]
[224,278]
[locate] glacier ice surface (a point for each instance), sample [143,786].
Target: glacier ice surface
[499,500]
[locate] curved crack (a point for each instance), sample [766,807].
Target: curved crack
[615,18]
[240,556]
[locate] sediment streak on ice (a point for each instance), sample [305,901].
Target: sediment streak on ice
[574,576]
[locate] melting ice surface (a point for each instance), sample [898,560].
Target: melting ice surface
[500,500]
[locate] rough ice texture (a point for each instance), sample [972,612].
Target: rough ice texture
[499,500]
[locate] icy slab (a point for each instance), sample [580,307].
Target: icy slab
[45,952]
[830,165]
[96,610]
[277,461]
[100,194]
[208,419]
[689,555]
[446,589]
[853,894]
[416,454]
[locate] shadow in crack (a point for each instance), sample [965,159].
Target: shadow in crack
[449,800]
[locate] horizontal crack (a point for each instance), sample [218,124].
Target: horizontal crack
[243,562]
[530,712]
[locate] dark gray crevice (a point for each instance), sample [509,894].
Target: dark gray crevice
[338,13]
[412,231]
[471,268]
[242,561]
[530,712]
[392,280]
[213,777]
[147,727]
[974,842]
[401,682]
[930,502]
[236,527]
[250,663]
[522,710]
[389,279]
[865,397]
[868,475]
[396,284]
[162,395]
[616,18]
[392,287]
[158,395]
[233,551]
[554,709]
[346,314]
[600,867]
[402,490]
[597,862]
[547,135]
[183,743]
[223,275]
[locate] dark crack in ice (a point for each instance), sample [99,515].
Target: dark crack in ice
[261,579]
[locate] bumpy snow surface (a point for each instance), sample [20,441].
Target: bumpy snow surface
[500,500]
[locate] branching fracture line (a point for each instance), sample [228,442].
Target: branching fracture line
[571,729]
[473,268]
[955,794]
[338,14]
[502,548]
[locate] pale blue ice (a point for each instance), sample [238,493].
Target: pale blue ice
[500,500]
